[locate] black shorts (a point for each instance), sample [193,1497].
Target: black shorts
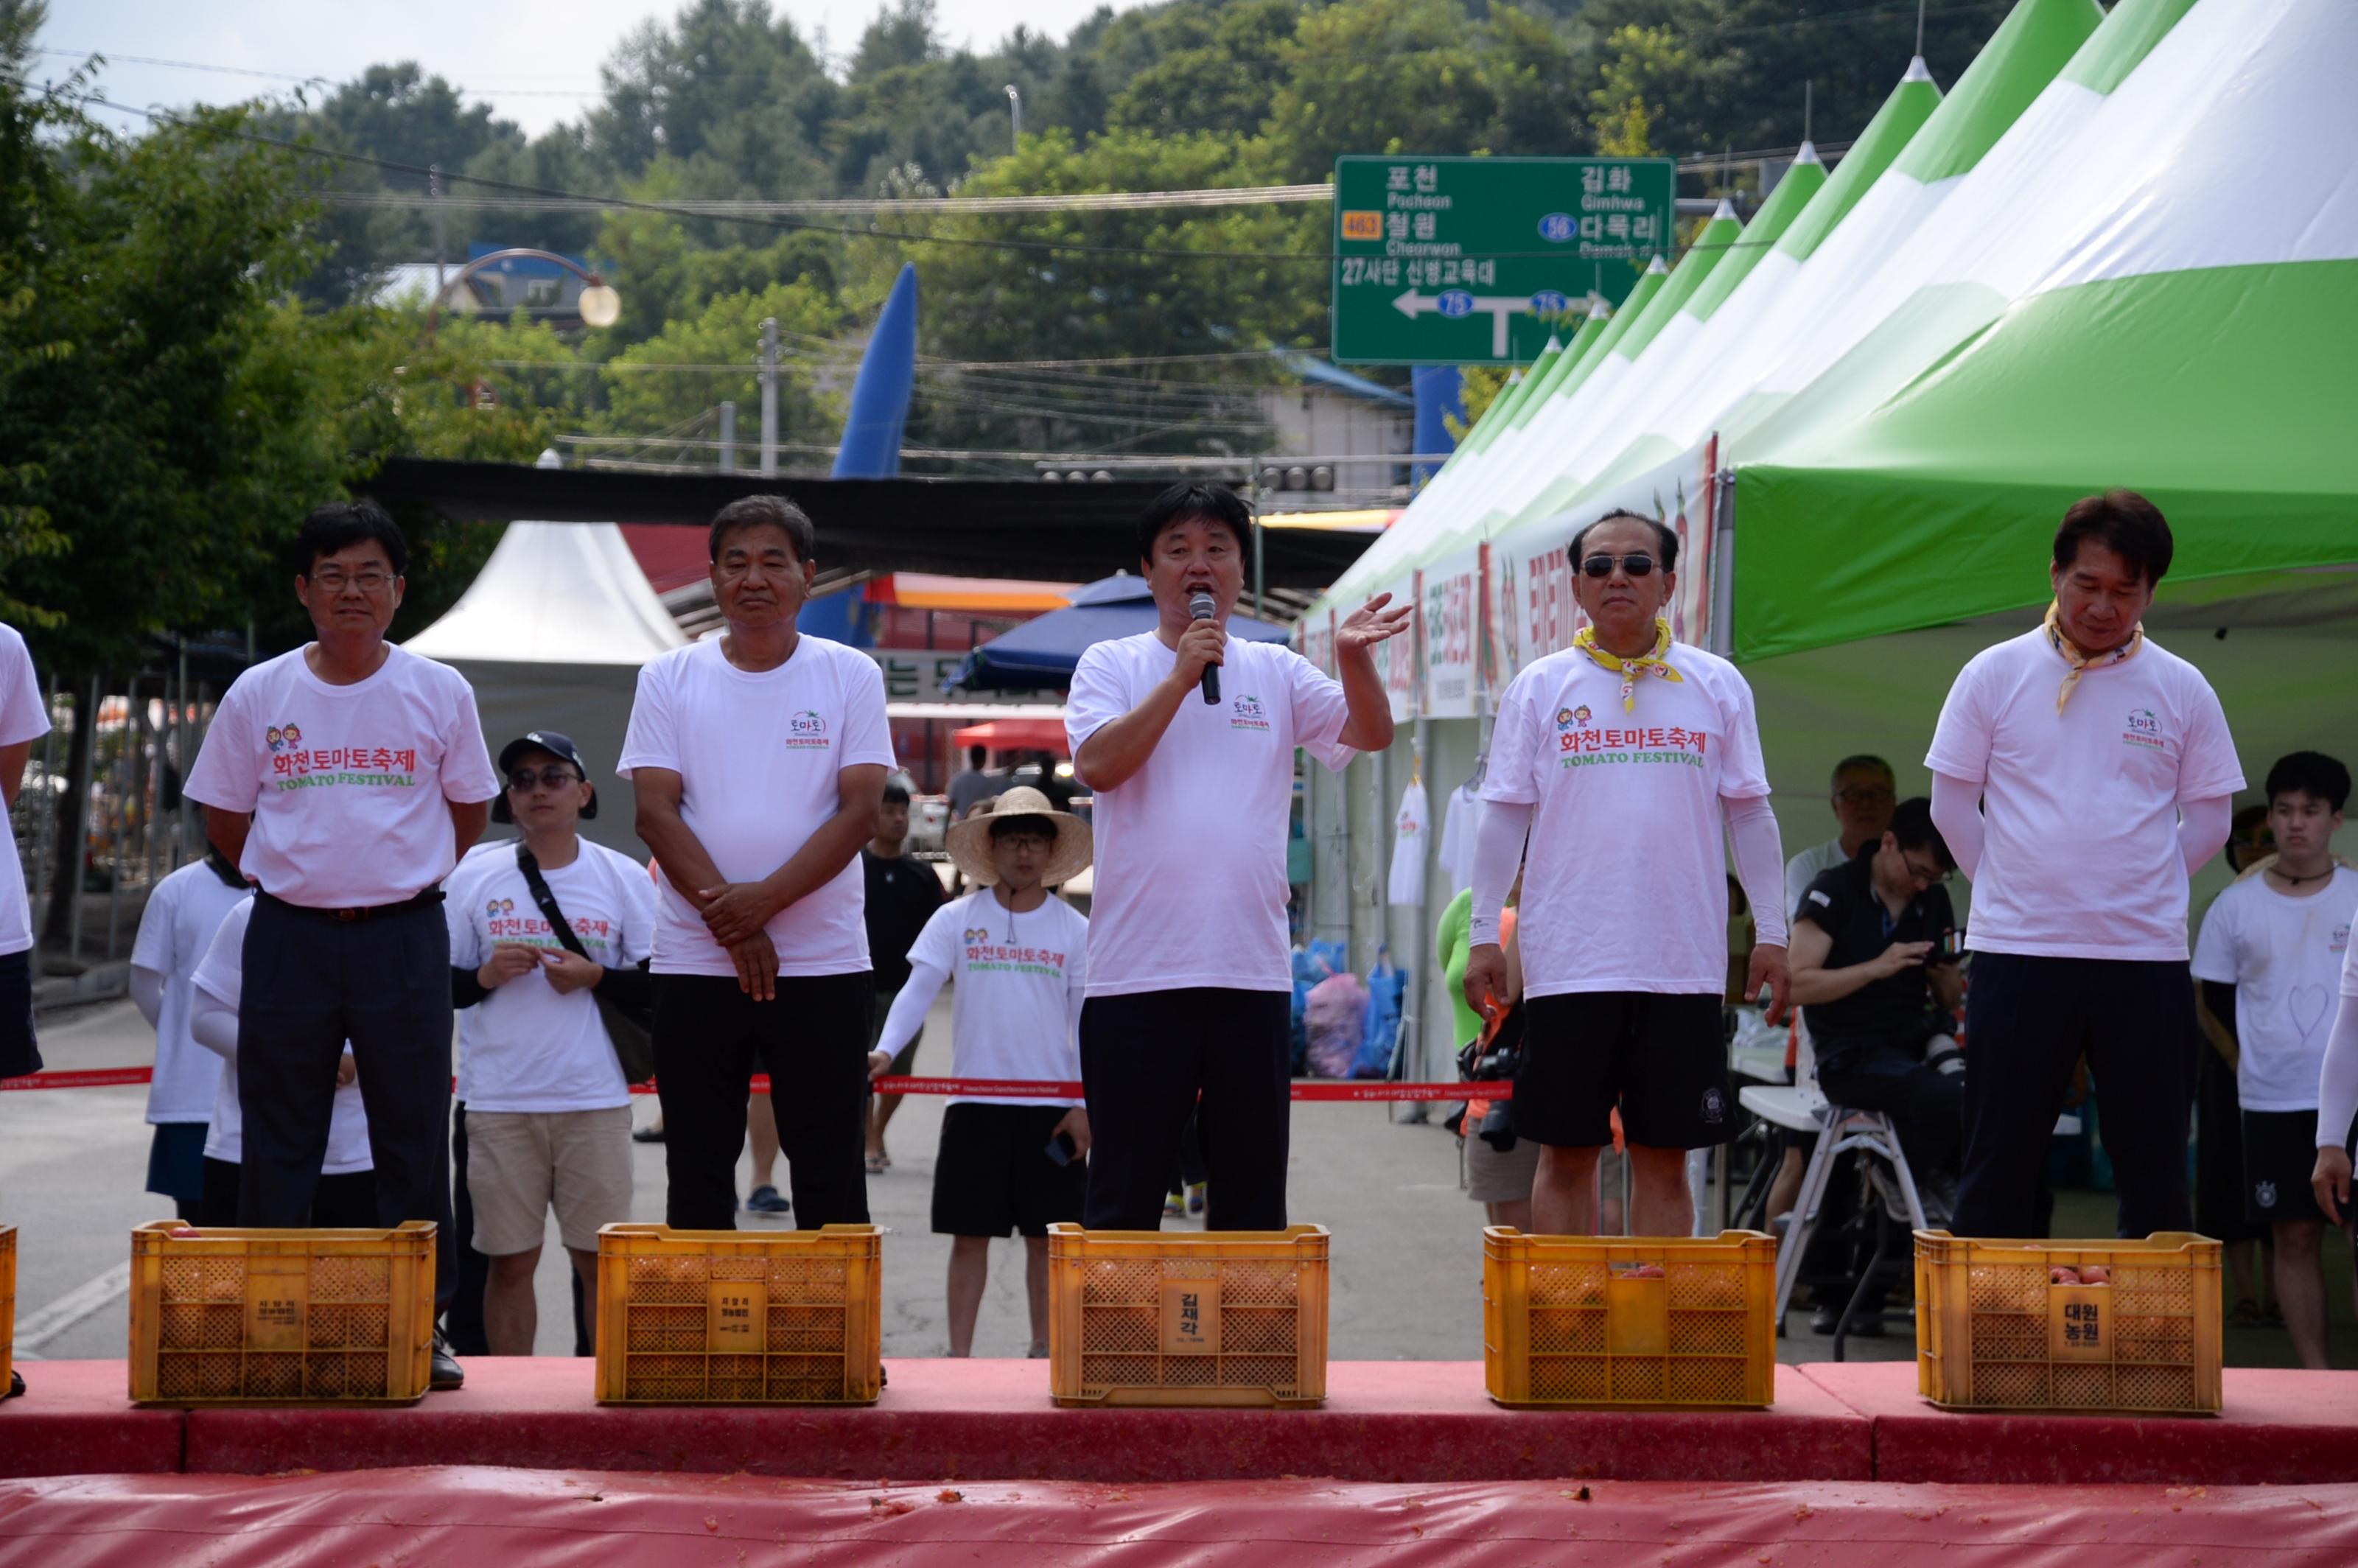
[2280,1155]
[1662,1058]
[993,1174]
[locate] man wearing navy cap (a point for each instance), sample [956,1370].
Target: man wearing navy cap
[541,927]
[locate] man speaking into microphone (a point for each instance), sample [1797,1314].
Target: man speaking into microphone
[1187,739]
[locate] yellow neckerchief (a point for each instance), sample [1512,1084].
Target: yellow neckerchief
[1652,664]
[2083,662]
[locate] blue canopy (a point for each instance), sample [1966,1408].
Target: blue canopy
[1043,651]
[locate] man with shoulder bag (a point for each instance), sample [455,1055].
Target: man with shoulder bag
[549,939]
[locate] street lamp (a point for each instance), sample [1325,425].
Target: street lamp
[1015,114]
[599,304]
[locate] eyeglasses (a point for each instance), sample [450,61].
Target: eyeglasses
[1037,844]
[1925,875]
[334,580]
[554,777]
[1638,565]
[1864,795]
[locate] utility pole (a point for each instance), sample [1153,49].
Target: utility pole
[1015,116]
[729,436]
[434,191]
[770,394]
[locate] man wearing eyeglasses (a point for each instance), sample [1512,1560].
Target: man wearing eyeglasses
[1872,976]
[1864,789]
[1627,759]
[345,779]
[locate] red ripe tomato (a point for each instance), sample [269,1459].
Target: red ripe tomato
[2095,1274]
[2063,1274]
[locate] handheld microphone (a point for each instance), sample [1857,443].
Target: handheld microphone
[1202,608]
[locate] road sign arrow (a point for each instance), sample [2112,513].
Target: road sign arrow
[1455,302]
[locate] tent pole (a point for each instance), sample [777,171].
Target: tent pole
[1723,559]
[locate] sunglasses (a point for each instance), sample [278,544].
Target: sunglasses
[1929,875]
[1639,565]
[554,777]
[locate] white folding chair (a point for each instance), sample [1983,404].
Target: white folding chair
[1802,1108]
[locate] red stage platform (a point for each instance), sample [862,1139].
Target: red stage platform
[523,1519]
[2279,1427]
[1385,1422]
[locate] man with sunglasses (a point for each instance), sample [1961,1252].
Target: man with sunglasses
[1628,759]
[546,1107]
[345,779]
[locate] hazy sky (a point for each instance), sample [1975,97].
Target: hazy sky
[535,60]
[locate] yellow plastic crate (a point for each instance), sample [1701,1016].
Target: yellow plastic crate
[1220,1317]
[1992,1334]
[8,1303]
[1566,1321]
[693,1318]
[281,1316]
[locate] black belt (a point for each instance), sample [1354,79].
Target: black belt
[426,900]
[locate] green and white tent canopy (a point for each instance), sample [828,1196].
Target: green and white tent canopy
[2124,254]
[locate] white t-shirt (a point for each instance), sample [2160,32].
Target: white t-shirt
[351,785]
[1459,819]
[1017,981]
[758,755]
[1806,868]
[525,1048]
[1190,848]
[23,716]
[1625,884]
[221,975]
[2284,955]
[1406,883]
[2080,857]
[175,932]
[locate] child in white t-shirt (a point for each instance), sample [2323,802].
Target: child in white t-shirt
[1012,1162]
[2269,961]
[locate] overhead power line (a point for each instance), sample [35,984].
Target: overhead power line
[1070,201]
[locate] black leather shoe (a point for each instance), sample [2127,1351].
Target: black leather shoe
[1866,1325]
[447,1374]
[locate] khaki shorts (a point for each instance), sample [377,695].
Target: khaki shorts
[520,1163]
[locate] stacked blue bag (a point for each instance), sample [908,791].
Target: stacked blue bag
[1387,985]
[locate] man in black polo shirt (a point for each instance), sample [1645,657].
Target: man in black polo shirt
[1877,991]
[903,895]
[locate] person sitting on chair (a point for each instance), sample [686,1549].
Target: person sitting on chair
[1878,995]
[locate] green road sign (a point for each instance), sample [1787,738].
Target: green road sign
[1475,260]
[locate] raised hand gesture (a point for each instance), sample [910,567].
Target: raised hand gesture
[1372,623]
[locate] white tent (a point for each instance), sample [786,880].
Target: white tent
[552,634]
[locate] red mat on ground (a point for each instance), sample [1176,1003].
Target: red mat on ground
[1384,1420]
[549,1519]
[2280,1427]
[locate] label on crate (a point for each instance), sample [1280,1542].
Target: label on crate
[740,1310]
[1191,1317]
[2080,1322]
[274,1303]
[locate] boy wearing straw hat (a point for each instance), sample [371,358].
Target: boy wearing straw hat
[1007,1162]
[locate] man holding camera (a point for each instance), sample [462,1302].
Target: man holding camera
[1879,990]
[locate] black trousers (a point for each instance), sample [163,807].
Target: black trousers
[2027,1021]
[1926,1104]
[311,984]
[18,1053]
[813,1041]
[1147,1062]
[342,1203]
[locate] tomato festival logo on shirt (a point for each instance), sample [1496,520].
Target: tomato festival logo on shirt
[2340,942]
[1247,713]
[498,907]
[983,954]
[1570,718]
[806,731]
[293,766]
[2144,729]
[1588,746]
